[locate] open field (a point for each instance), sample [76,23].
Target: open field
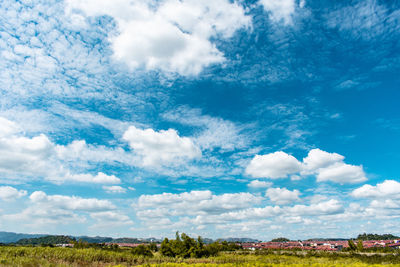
[47,256]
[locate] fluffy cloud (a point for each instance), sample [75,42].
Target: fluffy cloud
[195,202]
[259,184]
[325,166]
[317,159]
[280,10]
[161,148]
[22,154]
[282,196]
[341,173]
[80,150]
[196,210]
[37,156]
[100,178]
[70,203]
[11,193]
[274,165]
[388,188]
[114,189]
[46,211]
[323,208]
[7,127]
[169,35]
[107,219]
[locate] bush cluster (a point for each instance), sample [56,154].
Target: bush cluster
[185,247]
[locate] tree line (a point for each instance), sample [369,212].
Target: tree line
[184,246]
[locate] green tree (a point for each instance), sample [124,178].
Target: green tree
[360,246]
[184,246]
[142,250]
[352,246]
[166,249]
[153,247]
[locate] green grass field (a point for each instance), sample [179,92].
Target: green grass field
[47,256]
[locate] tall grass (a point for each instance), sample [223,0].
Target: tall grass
[47,256]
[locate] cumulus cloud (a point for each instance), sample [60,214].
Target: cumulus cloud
[114,189]
[171,35]
[280,10]
[70,203]
[100,178]
[386,189]
[80,150]
[25,155]
[194,202]
[8,127]
[46,211]
[259,184]
[323,208]
[107,219]
[37,156]
[324,165]
[11,193]
[341,173]
[317,159]
[282,196]
[161,148]
[274,165]
[206,210]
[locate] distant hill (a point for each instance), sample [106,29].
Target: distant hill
[377,237]
[239,240]
[9,237]
[327,239]
[37,239]
[50,239]
[96,239]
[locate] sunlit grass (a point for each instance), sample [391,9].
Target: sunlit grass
[46,256]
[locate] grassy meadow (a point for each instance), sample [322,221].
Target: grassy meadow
[55,256]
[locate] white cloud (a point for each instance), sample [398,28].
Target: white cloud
[323,208]
[100,178]
[20,154]
[386,189]
[280,10]
[282,196]
[70,203]
[341,173]
[107,219]
[11,193]
[274,165]
[170,35]
[161,148]
[193,203]
[114,189]
[204,210]
[40,218]
[37,157]
[46,211]
[325,166]
[7,127]
[259,184]
[80,150]
[317,159]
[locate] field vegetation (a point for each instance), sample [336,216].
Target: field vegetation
[57,256]
[184,251]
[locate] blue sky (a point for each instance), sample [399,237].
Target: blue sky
[216,118]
